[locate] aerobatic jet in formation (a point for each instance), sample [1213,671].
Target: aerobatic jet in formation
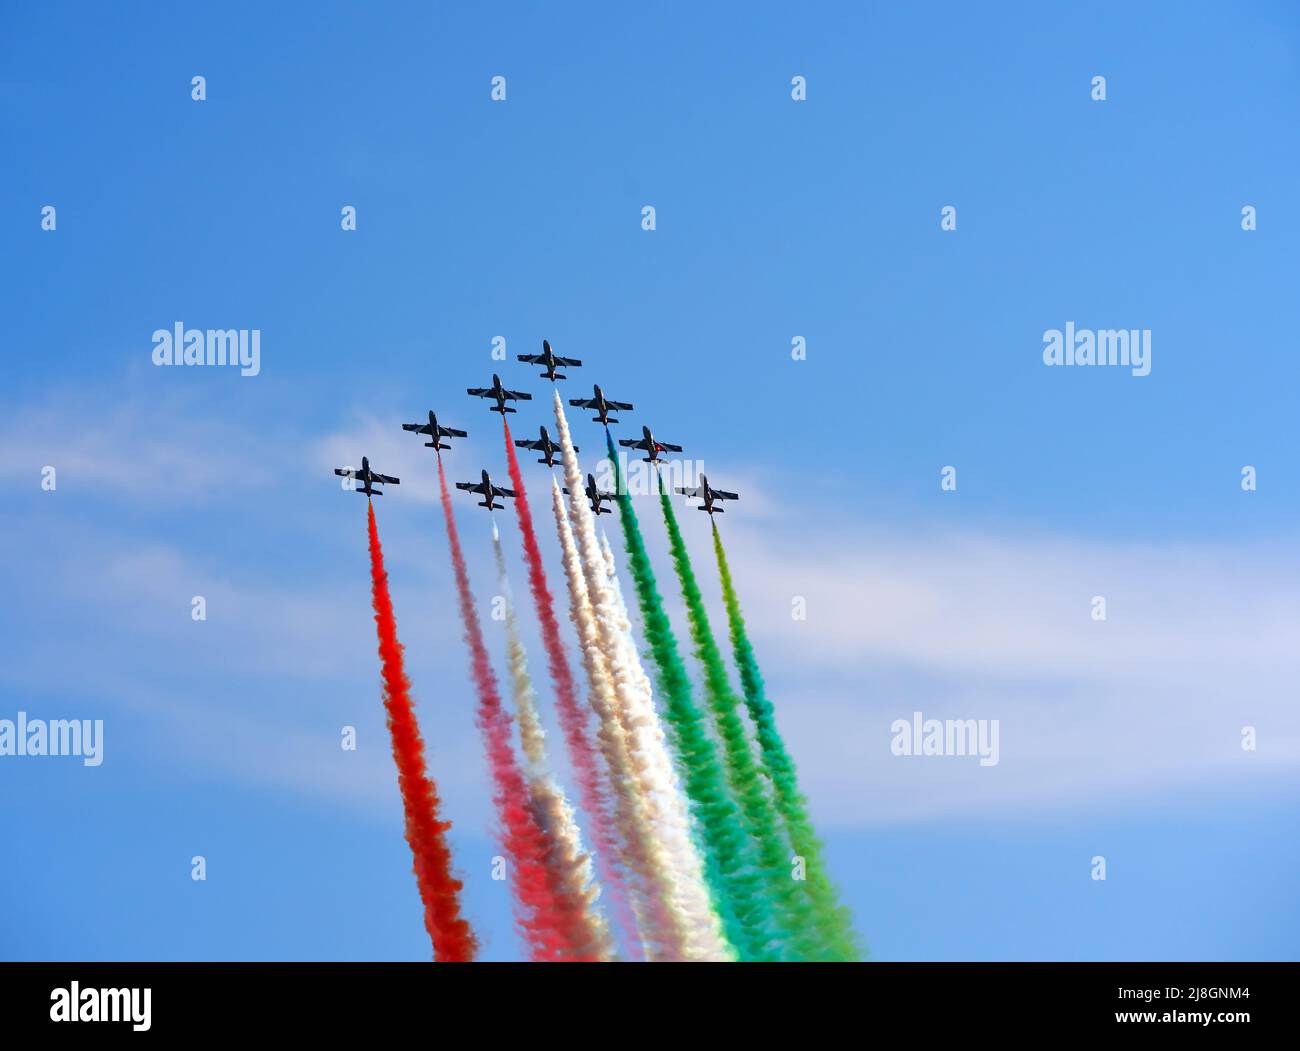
[499,394]
[488,491]
[542,444]
[435,431]
[602,405]
[711,496]
[366,477]
[595,496]
[649,446]
[549,359]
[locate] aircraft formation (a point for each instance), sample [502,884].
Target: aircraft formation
[689,828]
[501,396]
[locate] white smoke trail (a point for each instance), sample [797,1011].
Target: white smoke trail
[610,569]
[570,863]
[620,605]
[647,746]
[644,855]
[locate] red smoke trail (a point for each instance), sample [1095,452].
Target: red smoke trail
[573,717]
[453,939]
[545,917]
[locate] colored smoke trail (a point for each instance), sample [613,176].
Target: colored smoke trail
[621,619]
[453,939]
[691,901]
[833,920]
[547,919]
[793,910]
[747,915]
[573,720]
[616,589]
[641,852]
[568,864]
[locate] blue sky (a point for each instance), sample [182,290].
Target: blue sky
[775,219]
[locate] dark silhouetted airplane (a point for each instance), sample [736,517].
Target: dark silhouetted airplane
[711,496]
[648,444]
[542,444]
[499,394]
[435,432]
[548,358]
[602,405]
[595,496]
[486,490]
[367,478]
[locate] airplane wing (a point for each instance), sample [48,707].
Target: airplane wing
[533,359]
[518,395]
[346,472]
[451,432]
[688,492]
[478,392]
[419,428]
[498,491]
[722,494]
[623,405]
[528,443]
[387,479]
[668,447]
[588,403]
[471,487]
[634,443]
[573,362]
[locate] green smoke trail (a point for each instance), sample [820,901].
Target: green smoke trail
[794,909]
[833,921]
[746,914]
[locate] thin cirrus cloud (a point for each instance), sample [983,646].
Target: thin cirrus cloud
[956,623]
[164,452]
[1197,646]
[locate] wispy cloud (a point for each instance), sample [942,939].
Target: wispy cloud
[1198,642]
[952,621]
[169,452]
